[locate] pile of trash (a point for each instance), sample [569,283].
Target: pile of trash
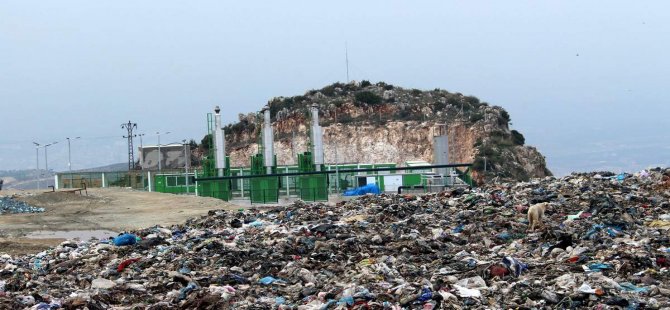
[604,244]
[9,205]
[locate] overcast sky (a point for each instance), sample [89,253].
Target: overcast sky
[585,81]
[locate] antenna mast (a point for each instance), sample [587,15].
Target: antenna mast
[346,59]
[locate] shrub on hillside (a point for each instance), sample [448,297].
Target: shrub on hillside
[367,97]
[518,138]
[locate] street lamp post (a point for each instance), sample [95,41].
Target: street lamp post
[69,158]
[46,158]
[186,160]
[159,149]
[37,160]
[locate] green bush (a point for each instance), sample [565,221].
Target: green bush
[345,119]
[385,86]
[518,138]
[206,142]
[475,117]
[416,92]
[452,101]
[365,83]
[505,116]
[474,101]
[330,89]
[367,97]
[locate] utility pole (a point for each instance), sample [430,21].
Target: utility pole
[131,156]
[37,165]
[69,159]
[46,159]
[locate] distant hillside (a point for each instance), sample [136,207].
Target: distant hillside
[365,122]
[108,168]
[27,179]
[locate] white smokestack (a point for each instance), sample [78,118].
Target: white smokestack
[268,140]
[219,142]
[317,137]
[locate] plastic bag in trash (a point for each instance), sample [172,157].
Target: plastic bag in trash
[125,239]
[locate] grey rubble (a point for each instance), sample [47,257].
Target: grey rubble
[436,251]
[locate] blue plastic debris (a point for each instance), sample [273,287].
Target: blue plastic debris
[184,291]
[184,270]
[367,189]
[593,231]
[621,177]
[458,229]
[630,287]
[426,294]
[125,239]
[612,232]
[348,300]
[269,280]
[504,236]
[12,206]
[514,265]
[599,267]
[280,300]
[256,224]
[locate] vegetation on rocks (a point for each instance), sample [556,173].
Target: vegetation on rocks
[376,104]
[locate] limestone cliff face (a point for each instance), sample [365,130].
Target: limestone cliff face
[391,124]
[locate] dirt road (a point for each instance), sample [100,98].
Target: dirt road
[109,209]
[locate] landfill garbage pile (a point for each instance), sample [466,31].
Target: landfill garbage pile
[9,205]
[603,244]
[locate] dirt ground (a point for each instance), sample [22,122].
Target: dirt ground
[109,209]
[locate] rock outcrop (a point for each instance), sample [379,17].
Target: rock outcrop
[367,123]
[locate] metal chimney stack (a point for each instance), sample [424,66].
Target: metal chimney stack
[441,148]
[219,142]
[268,140]
[317,138]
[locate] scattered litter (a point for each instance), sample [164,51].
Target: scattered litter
[604,245]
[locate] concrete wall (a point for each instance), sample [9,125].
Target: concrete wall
[172,157]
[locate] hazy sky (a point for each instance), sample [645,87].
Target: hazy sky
[585,81]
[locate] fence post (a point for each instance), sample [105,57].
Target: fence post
[196,182]
[288,192]
[149,179]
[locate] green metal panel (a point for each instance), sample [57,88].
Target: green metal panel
[221,189]
[411,179]
[264,190]
[311,187]
[314,187]
[173,184]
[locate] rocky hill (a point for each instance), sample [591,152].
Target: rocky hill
[365,122]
